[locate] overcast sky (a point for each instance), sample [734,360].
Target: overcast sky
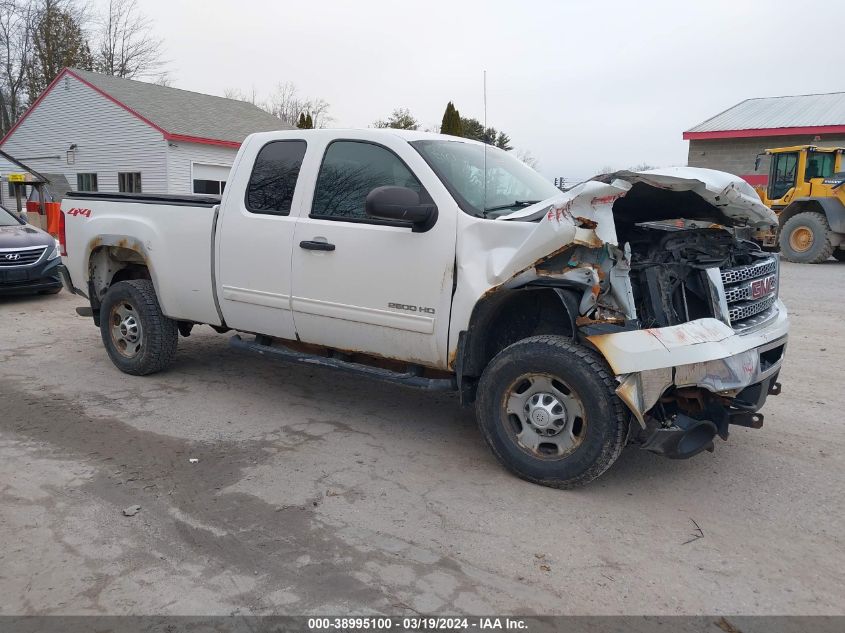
[581,85]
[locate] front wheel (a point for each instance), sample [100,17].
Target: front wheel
[139,339]
[548,409]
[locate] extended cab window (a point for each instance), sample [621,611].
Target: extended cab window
[351,170]
[273,178]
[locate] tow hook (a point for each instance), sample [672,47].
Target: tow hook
[751,420]
[774,389]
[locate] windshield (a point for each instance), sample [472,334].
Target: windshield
[510,183]
[6,218]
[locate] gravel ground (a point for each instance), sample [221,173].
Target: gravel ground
[317,492]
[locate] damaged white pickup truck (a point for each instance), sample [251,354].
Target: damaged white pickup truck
[628,310]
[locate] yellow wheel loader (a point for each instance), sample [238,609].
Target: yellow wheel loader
[806,191]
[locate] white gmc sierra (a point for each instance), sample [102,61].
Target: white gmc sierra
[627,310]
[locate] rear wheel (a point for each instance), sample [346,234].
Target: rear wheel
[139,339]
[805,238]
[548,409]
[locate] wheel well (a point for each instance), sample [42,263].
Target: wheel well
[798,207]
[108,265]
[508,316]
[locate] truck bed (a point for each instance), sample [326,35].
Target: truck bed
[171,233]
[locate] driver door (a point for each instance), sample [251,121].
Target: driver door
[368,285]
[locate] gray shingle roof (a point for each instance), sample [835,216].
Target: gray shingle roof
[779,112]
[186,113]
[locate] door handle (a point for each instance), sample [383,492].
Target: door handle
[313,245]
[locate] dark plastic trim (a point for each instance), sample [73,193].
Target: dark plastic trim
[409,379]
[147,198]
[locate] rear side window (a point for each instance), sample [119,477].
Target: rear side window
[273,178]
[351,170]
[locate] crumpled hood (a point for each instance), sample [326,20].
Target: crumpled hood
[587,213]
[731,197]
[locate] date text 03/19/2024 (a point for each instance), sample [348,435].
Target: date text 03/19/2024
[417,623]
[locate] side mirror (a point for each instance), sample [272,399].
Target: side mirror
[401,204]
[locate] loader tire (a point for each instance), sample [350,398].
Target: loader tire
[805,238]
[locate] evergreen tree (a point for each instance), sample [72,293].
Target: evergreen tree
[472,128]
[301,122]
[447,118]
[457,127]
[451,123]
[503,141]
[309,122]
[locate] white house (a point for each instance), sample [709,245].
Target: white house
[104,133]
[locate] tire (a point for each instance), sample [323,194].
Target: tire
[577,452]
[839,255]
[805,238]
[139,339]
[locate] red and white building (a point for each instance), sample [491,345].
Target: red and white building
[731,140]
[103,133]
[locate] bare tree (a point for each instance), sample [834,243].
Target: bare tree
[237,95]
[528,158]
[286,104]
[16,23]
[319,110]
[126,45]
[641,167]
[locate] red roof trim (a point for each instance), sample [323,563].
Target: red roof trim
[755,180]
[204,141]
[165,133]
[775,131]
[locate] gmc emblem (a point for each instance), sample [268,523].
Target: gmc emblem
[762,287]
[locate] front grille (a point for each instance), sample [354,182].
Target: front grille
[20,257]
[751,292]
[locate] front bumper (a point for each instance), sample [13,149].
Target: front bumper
[740,368]
[28,279]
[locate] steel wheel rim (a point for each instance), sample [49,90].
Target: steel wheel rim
[126,332]
[801,239]
[544,416]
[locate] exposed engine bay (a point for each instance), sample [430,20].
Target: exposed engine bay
[669,270]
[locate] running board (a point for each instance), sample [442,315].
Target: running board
[409,379]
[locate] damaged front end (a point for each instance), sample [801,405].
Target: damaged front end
[661,281]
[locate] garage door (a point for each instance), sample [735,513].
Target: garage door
[210,178]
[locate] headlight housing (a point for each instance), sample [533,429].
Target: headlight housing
[56,252]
